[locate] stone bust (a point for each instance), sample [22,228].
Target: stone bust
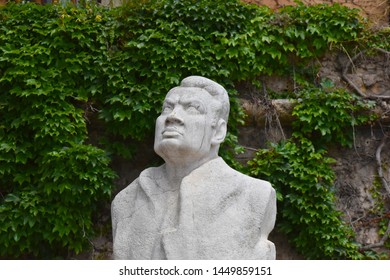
[194,206]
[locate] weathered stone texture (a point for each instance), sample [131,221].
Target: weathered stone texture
[360,195]
[377,11]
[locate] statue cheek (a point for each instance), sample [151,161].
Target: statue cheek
[159,123]
[196,126]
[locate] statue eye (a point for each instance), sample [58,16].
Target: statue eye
[167,109]
[194,108]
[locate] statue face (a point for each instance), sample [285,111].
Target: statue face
[184,129]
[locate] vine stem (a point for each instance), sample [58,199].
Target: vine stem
[379,163]
[348,80]
[381,242]
[382,51]
[351,61]
[387,187]
[250,148]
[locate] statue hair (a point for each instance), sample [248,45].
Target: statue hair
[214,89]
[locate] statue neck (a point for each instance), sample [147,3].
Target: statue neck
[176,171]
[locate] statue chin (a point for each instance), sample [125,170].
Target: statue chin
[173,151]
[171,148]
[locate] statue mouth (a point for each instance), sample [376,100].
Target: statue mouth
[170,132]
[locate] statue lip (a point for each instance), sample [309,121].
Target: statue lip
[171,131]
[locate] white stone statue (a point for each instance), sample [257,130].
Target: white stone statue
[194,206]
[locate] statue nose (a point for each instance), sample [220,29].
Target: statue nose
[174,118]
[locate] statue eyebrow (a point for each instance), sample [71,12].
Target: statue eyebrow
[196,103]
[168,102]
[186,101]
[190,102]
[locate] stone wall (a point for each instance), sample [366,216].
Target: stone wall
[377,11]
[361,196]
[357,187]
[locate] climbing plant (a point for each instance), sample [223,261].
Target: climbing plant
[300,170]
[51,179]
[69,73]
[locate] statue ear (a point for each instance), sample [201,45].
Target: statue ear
[220,132]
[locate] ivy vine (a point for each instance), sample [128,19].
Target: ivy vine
[51,179]
[68,72]
[301,171]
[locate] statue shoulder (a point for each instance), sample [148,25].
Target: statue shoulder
[129,193]
[261,185]
[257,188]
[261,188]
[232,176]
[252,187]
[253,184]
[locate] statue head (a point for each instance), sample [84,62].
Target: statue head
[193,121]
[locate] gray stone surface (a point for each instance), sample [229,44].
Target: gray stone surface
[194,206]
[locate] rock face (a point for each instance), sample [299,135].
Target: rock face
[377,11]
[367,75]
[194,206]
[361,196]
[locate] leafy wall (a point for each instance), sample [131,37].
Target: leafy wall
[377,11]
[73,76]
